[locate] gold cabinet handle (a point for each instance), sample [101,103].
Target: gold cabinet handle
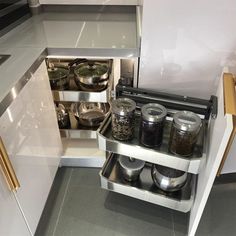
[230,108]
[7,168]
[229,94]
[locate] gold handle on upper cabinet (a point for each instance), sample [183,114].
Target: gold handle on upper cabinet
[7,168]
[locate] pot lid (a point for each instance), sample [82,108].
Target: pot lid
[187,121]
[123,106]
[91,70]
[57,73]
[153,112]
[131,163]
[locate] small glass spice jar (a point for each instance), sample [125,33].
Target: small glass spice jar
[152,123]
[123,118]
[184,133]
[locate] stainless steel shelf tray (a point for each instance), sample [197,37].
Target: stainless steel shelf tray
[159,155]
[75,95]
[75,130]
[78,134]
[144,189]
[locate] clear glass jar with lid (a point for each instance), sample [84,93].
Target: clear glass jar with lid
[184,133]
[152,123]
[123,118]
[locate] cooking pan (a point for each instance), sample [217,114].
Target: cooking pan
[90,75]
[90,114]
[168,179]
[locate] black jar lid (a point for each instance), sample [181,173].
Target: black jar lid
[123,106]
[153,112]
[187,121]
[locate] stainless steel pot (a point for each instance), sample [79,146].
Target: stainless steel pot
[58,77]
[131,167]
[91,75]
[168,179]
[90,114]
[63,118]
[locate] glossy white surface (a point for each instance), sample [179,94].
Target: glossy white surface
[218,136]
[185,44]
[73,31]
[11,220]
[91,2]
[31,136]
[15,67]
[230,163]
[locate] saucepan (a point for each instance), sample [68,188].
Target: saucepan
[58,77]
[90,113]
[90,75]
[168,179]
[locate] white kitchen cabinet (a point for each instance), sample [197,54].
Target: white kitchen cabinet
[30,134]
[91,2]
[12,222]
[185,45]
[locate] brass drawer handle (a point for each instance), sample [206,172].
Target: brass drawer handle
[229,94]
[7,168]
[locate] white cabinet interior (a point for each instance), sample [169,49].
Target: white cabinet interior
[80,147]
[30,133]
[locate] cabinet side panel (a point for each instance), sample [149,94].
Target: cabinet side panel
[30,132]
[218,134]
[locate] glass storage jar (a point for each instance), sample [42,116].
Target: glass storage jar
[152,123]
[123,118]
[184,132]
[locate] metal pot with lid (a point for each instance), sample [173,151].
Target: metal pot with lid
[63,117]
[131,167]
[91,75]
[184,133]
[58,77]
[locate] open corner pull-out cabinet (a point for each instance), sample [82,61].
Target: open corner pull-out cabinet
[217,116]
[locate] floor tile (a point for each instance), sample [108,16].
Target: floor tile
[52,208]
[78,206]
[89,210]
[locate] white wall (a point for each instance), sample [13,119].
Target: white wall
[186,43]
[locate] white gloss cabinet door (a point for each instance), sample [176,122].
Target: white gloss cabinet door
[30,133]
[219,133]
[11,220]
[185,45]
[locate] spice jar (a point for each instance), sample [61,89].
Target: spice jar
[123,118]
[152,123]
[184,132]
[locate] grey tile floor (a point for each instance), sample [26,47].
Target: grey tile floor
[78,206]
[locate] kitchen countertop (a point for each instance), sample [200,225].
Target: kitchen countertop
[65,34]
